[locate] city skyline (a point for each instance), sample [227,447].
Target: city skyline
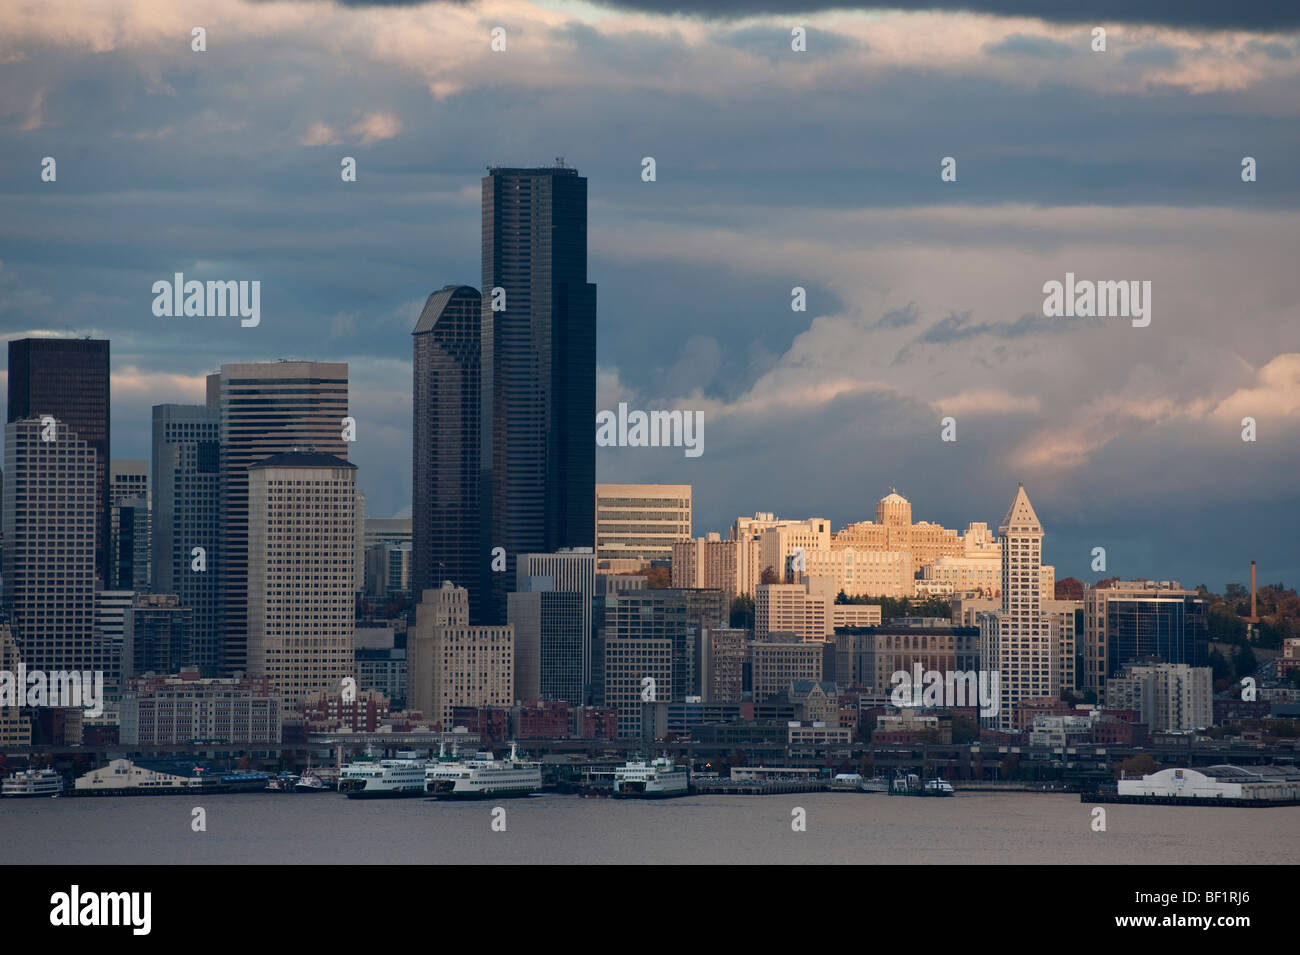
[923,296]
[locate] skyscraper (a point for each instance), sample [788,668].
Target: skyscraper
[67,378]
[302,554]
[266,408]
[187,515]
[446,531]
[49,553]
[538,380]
[128,526]
[1017,640]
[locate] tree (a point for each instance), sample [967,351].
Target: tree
[1071,588]
[1244,662]
[737,758]
[1219,666]
[657,578]
[769,576]
[1140,764]
[964,730]
[742,612]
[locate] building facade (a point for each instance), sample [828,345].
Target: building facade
[538,368]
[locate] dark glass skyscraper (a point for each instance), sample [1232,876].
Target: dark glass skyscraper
[67,378]
[538,453]
[445,522]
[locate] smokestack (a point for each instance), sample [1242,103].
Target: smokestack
[1253,616]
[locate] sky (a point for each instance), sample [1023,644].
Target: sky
[775,169]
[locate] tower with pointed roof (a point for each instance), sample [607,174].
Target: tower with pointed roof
[1017,640]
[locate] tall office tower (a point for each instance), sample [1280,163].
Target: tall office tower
[538,456]
[111,607]
[447,539]
[266,408]
[127,479]
[67,378]
[128,555]
[186,516]
[641,522]
[128,526]
[569,571]
[157,636]
[302,524]
[548,642]
[50,538]
[638,672]
[451,663]
[1140,620]
[1017,640]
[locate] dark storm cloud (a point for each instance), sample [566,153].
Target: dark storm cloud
[1191,14]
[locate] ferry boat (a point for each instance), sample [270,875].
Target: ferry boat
[483,776]
[637,779]
[384,778]
[938,787]
[33,782]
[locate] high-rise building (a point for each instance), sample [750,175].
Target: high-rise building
[267,408]
[451,663]
[1017,640]
[50,538]
[571,571]
[538,453]
[1168,697]
[731,566]
[67,379]
[638,674]
[722,664]
[302,528]
[780,660]
[446,523]
[111,608]
[1131,621]
[128,526]
[548,642]
[641,522]
[187,521]
[157,636]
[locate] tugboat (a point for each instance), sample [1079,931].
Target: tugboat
[283,783]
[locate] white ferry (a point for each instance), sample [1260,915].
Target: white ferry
[33,782]
[637,779]
[384,778]
[483,776]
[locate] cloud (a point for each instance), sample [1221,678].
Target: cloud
[374,127]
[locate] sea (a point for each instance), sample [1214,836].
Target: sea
[807,828]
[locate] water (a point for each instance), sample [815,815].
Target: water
[841,828]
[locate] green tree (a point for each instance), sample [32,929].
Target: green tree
[964,729]
[1244,662]
[742,612]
